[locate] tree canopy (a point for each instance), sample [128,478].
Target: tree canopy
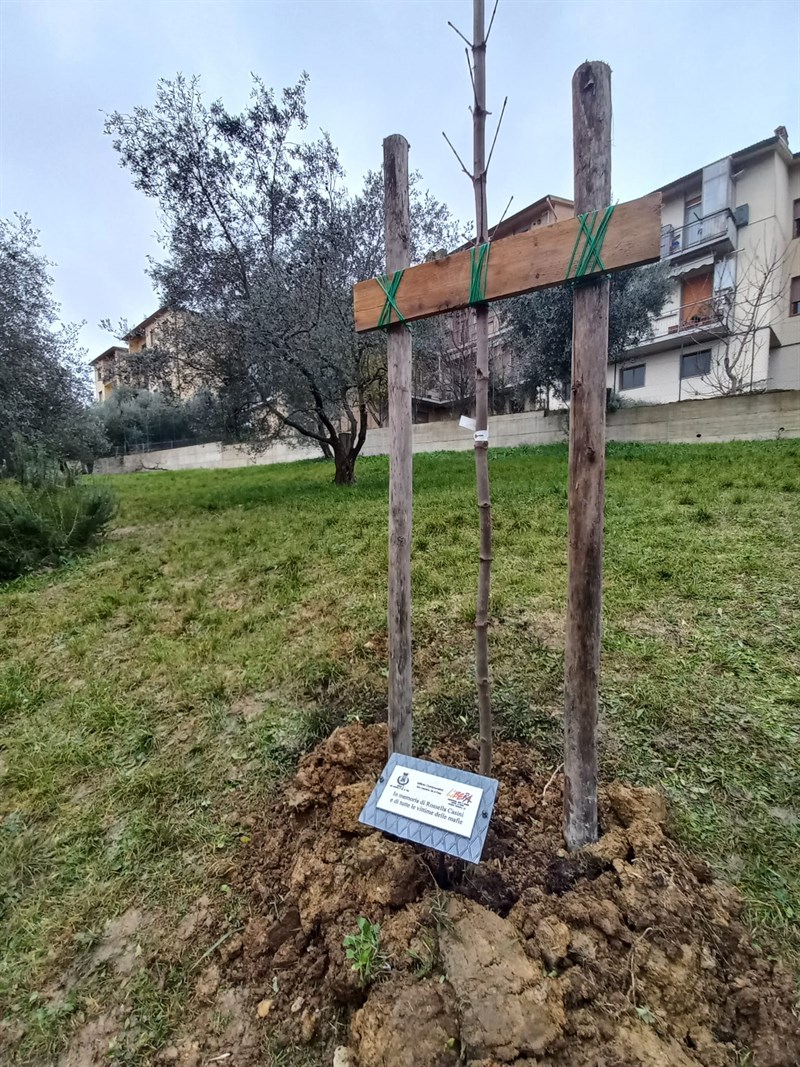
[262,244]
[43,379]
[540,325]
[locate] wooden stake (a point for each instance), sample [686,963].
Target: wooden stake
[398,252]
[482,398]
[591,116]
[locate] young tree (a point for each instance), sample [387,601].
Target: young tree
[262,246]
[43,380]
[540,325]
[739,317]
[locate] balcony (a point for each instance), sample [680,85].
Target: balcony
[682,242]
[698,322]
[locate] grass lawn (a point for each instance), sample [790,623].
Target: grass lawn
[152,688]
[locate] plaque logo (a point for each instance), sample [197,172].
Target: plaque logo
[459,799]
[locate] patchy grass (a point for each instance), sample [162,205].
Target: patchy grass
[152,692]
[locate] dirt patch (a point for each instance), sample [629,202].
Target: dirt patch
[232,602]
[628,953]
[249,706]
[117,950]
[119,532]
[545,626]
[90,1043]
[119,942]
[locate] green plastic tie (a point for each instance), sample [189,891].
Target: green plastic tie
[479,270]
[390,287]
[588,260]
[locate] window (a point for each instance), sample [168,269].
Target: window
[632,377]
[692,210]
[693,221]
[696,364]
[794,297]
[796,227]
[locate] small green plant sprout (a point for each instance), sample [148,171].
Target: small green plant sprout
[364,949]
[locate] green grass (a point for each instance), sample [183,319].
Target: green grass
[165,681]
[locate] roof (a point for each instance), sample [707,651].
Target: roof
[514,222]
[140,327]
[774,143]
[108,352]
[532,211]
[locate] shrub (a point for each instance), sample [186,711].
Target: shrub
[35,468]
[41,527]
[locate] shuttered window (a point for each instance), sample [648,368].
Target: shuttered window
[794,297]
[796,228]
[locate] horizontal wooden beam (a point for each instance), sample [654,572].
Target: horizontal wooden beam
[537,259]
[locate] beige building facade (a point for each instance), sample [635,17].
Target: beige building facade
[731,324]
[159,334]
[107,371]
[730,237]
[447,388]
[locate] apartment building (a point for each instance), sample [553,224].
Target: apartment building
[159,333]
[730,236]
[107,371]
[731,241]
[445,388]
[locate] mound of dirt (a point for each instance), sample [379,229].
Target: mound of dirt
[628,953]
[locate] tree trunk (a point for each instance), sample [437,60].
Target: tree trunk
[482,400]
[345,462]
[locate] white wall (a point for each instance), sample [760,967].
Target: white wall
[202,457]
[784,367]
[662,378]
[757,417]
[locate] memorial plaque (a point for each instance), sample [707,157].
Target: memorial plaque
[432,805]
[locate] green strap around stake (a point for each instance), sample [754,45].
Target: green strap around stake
[479,269]
[589,259]
[390,287]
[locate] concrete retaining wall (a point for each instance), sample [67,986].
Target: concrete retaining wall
[734,418]
[753,418]
[202,457]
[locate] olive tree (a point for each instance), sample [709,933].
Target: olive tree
[44,385]
[539,326]
[262,244]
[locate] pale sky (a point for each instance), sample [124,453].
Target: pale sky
[693,81]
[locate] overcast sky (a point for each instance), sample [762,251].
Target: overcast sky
[693,81]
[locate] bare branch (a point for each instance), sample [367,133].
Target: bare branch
[742,314]
[460,34]
[458,157]
[496,132]
[491,22]
[498,224]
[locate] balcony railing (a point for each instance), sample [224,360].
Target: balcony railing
[698,232]
[711,315]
